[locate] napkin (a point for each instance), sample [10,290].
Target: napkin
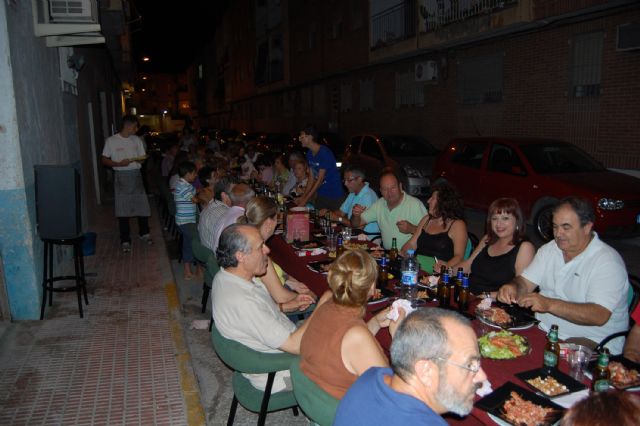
[394,314]
[315,252]
[484,304]
[485,389]
[570,399]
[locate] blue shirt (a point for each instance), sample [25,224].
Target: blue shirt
[186,210]
[370,401]
[331,187]
[366,197]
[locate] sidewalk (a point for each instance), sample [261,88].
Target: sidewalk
[124,363]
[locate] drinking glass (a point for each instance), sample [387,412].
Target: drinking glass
[332,241]
[578,359]
[346,233]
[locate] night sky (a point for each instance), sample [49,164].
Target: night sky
[172,33]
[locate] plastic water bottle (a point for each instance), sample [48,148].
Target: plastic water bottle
[409,277]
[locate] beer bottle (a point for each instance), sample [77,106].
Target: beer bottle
[552,348]
[383,275]
[458,284]
[443,288]
[601,375]
[463,300]
[393,253]
[339,246]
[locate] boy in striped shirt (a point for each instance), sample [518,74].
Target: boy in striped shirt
[186,205]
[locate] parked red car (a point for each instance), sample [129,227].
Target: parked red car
[538,172]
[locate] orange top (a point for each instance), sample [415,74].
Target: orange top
[320,348]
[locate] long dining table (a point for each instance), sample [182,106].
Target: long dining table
[498,371]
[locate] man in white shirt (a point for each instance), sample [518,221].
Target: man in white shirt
[214,211]
[242,308]
[240,195]
[124,152]
[583,281]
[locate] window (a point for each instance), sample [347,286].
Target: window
[409,92]
[504,160]
[366,95]
[345,97]
[370,147]
[480,79]
[586,65]
[469,154]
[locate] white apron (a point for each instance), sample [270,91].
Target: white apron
[131,198]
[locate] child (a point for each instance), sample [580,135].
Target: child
[186,205]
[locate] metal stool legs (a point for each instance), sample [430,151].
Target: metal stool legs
[48,278]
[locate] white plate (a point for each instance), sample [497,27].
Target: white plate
[375,302]
[298,209]
[490,324]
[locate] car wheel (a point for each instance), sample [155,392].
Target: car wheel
[543,223]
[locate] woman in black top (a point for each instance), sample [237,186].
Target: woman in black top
[503,253]
[441,234]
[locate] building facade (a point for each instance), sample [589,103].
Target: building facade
[556,69]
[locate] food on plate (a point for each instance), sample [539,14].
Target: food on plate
[353,246]
[519,411]
[422,294]
[622,376]
[308,245]
[377,295]
[502,345]
[428,280]
[549,385]
[496,315]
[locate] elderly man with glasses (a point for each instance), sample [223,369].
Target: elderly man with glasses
[435,369]
[359,194]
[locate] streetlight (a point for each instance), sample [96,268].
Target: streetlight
[146,59]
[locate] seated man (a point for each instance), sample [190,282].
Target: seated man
[242,308]
[435,369]
[359,194]
[583,281]
[214,211]
[240,195]
[396,212]
[632,345]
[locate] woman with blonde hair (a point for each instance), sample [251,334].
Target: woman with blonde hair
[304,178]
[338,345]
[262,212]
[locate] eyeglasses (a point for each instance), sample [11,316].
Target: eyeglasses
[474,366]
[350,179]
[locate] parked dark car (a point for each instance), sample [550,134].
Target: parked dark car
[538,172]
[411,157]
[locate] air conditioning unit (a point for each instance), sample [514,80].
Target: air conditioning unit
[67,22]
[69,11]
[628,37]
[426,71]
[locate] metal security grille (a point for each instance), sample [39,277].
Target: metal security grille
[480,79]
[586,64]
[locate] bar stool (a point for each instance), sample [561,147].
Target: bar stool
[48,278]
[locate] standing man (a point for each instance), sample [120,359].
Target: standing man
[124,152]
[396,212]
[583,281]
[359,194]
[327,186]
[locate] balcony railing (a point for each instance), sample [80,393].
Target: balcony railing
[401,21]
[436,14]
[394,24]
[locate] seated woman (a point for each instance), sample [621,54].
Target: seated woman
[441,236]
[262,213]
[264,166]
[304,178]
[338,346]
[281,173]
[503,253]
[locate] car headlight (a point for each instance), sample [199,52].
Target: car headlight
[610,204]
[412,172]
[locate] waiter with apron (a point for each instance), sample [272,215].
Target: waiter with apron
[125,152]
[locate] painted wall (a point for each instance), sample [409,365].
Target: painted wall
[40,123]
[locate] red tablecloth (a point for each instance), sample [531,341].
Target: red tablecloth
[498,372]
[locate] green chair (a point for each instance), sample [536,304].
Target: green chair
[242,359]
[205,257]
[317,404]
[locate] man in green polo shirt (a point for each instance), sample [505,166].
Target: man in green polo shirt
[396,212]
